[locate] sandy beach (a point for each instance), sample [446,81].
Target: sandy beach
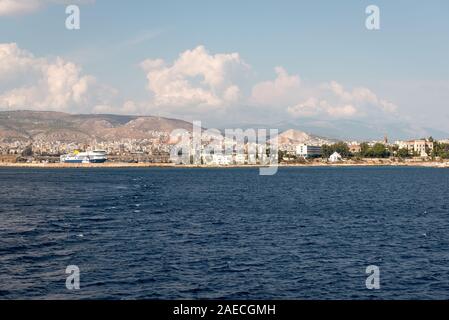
[432,164]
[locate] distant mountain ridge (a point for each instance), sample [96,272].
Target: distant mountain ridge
[58,126]
[294,137]
[354,130]
[50,126]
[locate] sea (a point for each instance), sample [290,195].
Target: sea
[224,233]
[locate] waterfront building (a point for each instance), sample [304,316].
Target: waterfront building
[335,157]
[422,147]
[239,158]
[221,159]
[306,151]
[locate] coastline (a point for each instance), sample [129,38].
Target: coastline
[428,164]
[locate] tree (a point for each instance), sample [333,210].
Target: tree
[365,150]
[326,151]
[403,153]
[380,151]
[284,154]
[28,151]
[440,150]
[343,149]
[394,148]
[340,147]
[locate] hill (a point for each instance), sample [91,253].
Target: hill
[295,137]
[59,126]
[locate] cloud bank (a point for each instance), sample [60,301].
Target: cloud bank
[195,79]
[44,84]
[197,83]
[329,99]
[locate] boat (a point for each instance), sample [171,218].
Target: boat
[96,156]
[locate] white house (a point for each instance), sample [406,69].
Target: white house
[335,157]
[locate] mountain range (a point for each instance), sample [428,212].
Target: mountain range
[82,128]
[349,130]
[294,137]
[59,126]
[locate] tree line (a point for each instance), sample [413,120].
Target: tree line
[380,150]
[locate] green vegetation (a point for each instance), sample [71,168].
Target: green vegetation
[379,150]
[340,147]
[403,153]
[440,150]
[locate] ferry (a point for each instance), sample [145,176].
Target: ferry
[96,156]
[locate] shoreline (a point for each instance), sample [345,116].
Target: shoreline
[427,164]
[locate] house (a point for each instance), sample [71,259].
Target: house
[335,157]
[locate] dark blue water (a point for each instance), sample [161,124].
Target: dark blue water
[225,233]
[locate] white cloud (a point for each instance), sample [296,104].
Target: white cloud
[16,62]
[361,95]
[196,83]
[313,107]
[196,79]
[342,111]
[279,91]
[13,7]
[44,84]
[302,99]
[19,7]
[308,108]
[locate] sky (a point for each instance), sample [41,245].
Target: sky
[230,62]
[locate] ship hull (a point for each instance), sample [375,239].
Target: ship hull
[97,160]
[72,161]
[85,161]
[85,157]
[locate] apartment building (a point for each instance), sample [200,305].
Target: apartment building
[422,147]
[304,150]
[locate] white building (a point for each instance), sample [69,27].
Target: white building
[221,159]
[252,158]
[305,150]
[335,157]
[421,147]
[239,158]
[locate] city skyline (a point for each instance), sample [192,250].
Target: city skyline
[222,64]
